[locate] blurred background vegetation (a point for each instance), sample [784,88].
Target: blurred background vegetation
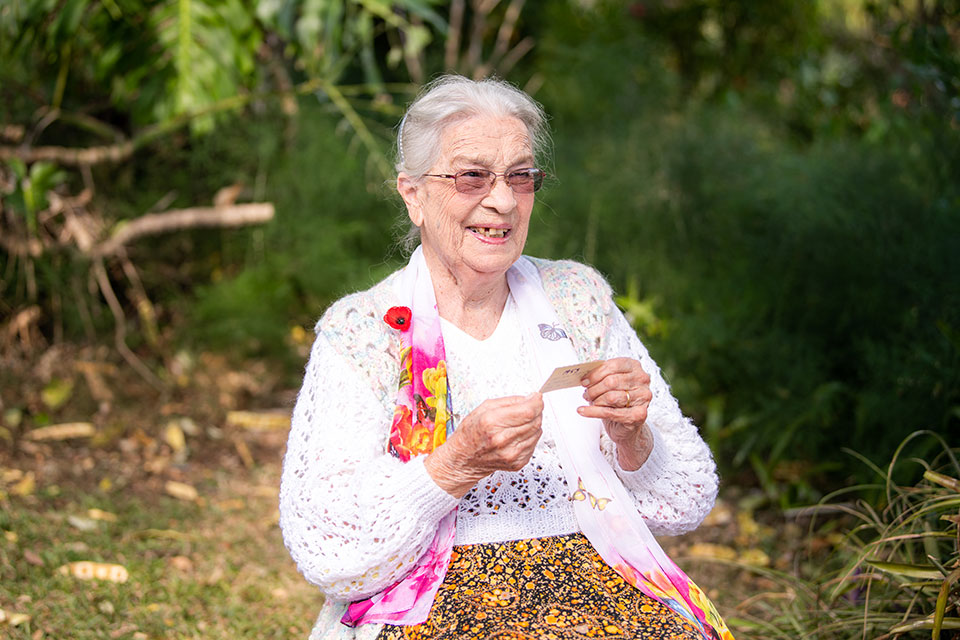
[772,187]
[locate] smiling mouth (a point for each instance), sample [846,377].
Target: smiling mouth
[488,232]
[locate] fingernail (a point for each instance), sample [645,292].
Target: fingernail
[584,395]
[584,383]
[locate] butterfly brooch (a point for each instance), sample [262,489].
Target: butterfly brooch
[582,494]
[550,332]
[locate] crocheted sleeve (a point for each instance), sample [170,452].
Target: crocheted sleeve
[345,502]
[676,487]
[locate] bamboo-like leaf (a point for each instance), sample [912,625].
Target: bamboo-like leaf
[944,481]
[926,623]
[922,571]
[207,53]
[941,607]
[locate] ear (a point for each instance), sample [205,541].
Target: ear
[409,190]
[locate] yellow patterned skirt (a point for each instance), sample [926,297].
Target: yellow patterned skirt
[542,589]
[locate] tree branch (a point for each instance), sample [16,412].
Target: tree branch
[237,215]
[70,156]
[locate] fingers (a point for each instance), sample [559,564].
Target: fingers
[500,434]
[620,382]
[618,392]
[511,411]
[633,415]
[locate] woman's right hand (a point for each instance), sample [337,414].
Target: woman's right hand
[499,435]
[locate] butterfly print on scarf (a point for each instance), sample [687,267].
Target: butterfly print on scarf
[550,332]
[582,494]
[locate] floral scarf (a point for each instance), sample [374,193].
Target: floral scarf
[604,509]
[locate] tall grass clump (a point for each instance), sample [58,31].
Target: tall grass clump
[896,571]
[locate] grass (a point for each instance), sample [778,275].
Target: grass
[211,568]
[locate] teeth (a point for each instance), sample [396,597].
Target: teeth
[490,233]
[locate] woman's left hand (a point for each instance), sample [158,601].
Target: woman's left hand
[619,394]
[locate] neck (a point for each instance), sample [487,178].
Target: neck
[470,300]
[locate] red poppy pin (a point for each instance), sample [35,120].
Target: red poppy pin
[398,317]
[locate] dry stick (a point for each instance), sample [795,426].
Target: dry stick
[521,49]
[481,8]
[414,62]
[507,29]
[144,306]
[68,156]
[20,324]
[120,326]
[86,318]
[16,247]
[153,223]
[122,151]
[452,51]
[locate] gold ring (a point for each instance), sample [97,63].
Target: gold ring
[628,397]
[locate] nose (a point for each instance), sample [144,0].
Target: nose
[501,197]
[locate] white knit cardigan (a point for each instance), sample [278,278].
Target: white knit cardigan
[355,519]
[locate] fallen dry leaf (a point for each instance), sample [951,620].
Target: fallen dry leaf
[173,436]
[9,476]
[26,486]
[64,431]
[265,491]
[11,536]
[105,516]
[32,558]
[81,523]
[91,373]
[721,514]
[709,550]
[13,619]
[181,563]
[181,490]
[260,420]
[244,452]
[86,570]
[123,630]
[755,558]
[171,534]
[233,504]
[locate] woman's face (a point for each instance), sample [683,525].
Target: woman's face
[471,234]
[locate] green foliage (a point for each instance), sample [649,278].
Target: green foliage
[326,34]
[158,59]
[330,236]
[805,298]
[31,186]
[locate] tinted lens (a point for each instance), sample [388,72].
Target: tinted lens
[473,181]
[526,181]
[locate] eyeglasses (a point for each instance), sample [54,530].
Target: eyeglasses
[476,182]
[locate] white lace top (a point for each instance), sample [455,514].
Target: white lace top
[355,519]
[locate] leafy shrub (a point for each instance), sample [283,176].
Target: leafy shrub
[801,299]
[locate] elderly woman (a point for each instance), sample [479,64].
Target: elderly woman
[429,489]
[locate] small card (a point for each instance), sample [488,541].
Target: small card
[569,376]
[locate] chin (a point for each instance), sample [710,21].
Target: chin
[494,263]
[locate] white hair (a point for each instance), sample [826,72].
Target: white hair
[453,98]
